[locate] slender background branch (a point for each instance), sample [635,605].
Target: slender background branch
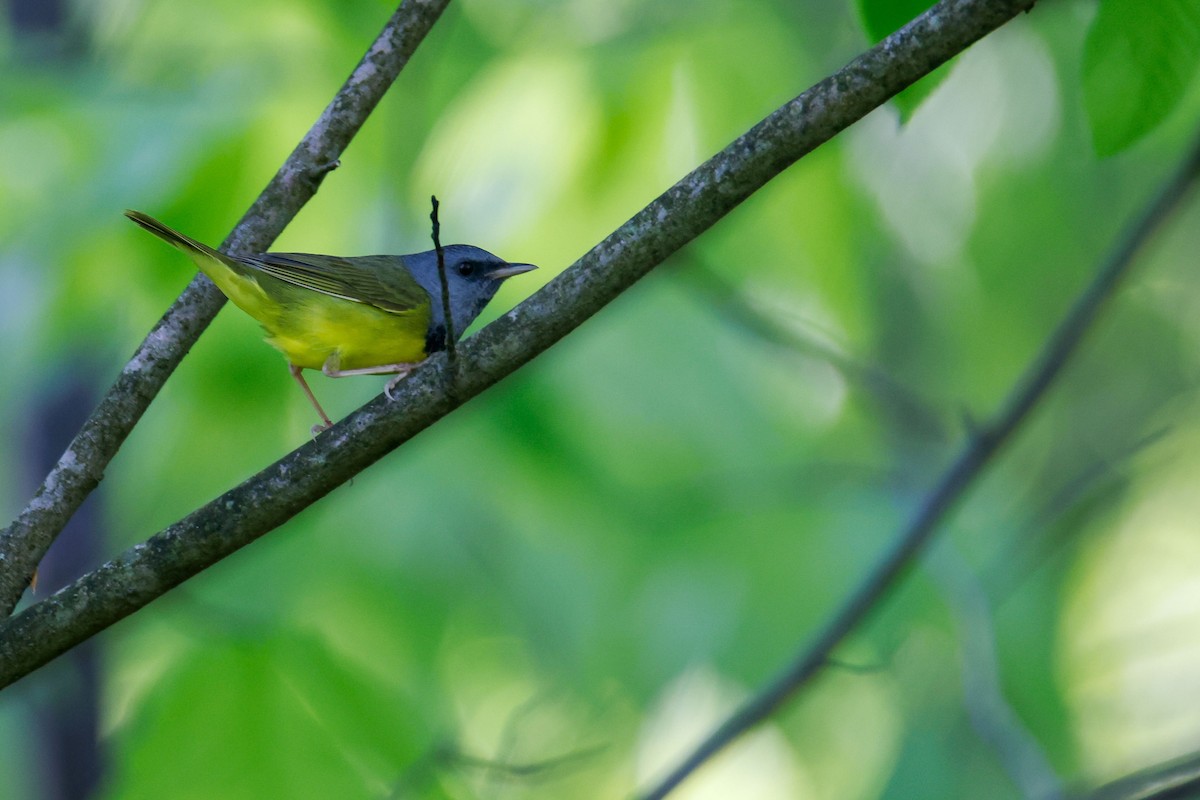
[912,412]
[690,207]
[81,468]
[993,718]
[983,444]
[1178,779]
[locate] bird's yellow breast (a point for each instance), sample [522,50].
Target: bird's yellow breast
[360,335]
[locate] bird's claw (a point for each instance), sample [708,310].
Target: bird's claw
[391,385]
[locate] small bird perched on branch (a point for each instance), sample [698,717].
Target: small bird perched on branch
[365,315]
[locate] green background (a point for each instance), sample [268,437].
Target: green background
[558,588]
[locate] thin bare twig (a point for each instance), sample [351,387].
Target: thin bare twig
[451,342]
[986,440]
[712,190]
[80,469]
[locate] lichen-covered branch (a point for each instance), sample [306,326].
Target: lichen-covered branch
[687,209]
[81,468]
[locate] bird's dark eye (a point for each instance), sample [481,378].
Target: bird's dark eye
[466,268]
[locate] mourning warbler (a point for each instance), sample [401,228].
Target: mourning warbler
[366,315]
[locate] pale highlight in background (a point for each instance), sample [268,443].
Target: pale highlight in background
[1130,658]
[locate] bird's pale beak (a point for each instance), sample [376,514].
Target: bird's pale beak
[509,270]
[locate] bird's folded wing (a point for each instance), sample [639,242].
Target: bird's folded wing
[379,281]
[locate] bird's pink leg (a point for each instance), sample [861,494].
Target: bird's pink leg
[333,370]
[297,373]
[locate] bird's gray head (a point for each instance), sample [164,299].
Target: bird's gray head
[473,276]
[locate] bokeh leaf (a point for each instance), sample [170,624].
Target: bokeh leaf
[1138,60]
[278,717]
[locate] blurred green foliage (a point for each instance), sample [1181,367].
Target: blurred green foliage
[554,590]
[1137,66]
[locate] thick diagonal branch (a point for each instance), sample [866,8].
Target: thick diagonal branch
[81,468]
[687,209]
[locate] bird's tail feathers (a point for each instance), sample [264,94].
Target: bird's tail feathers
[171,236]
